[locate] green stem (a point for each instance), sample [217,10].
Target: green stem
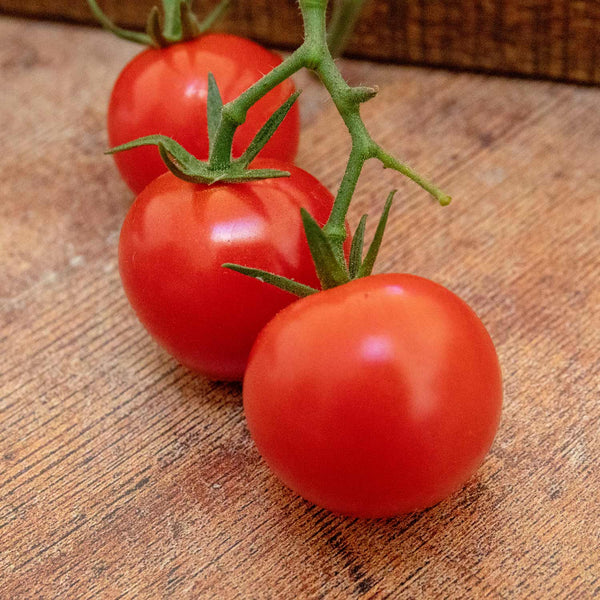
[131,36]
[335,228]
[343,20]
[389,162]
[172,16]
[234,113]
[327,243]
[314,54]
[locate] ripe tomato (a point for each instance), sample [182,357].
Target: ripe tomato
[177,235]
[164,91]
[375,398]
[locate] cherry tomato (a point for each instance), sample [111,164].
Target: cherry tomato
[376,398]
[177,235]
[164,91]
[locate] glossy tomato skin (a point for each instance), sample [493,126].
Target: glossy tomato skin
[376,398]
[163,91]
[177,235]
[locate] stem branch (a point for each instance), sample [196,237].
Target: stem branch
[327,243]
[314,54]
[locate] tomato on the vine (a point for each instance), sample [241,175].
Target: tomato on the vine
[177,235]
[164,91]
[375,398]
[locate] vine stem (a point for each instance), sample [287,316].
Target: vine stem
[314,54]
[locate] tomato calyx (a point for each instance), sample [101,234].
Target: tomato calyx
[331,266]
[178,23]
[220,167]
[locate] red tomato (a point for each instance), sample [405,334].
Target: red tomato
[177,235]
[376,398]
[164,92]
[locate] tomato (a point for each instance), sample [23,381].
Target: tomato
[375,398]
[164,91]
[177,235]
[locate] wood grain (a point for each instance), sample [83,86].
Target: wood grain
[122,475]
[558,39]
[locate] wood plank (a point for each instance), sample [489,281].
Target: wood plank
[539,38]
[122,475]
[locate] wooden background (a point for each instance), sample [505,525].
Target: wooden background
[122,475]
[558,39]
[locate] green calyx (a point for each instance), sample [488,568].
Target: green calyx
[332,269]
[220,166]
[178,23]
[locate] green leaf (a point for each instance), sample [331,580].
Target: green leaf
[283,283]
[367,266]
[214,16]
[214,104]
[266,131]
[190,26]
[329,270]
[356,249]
[131,36]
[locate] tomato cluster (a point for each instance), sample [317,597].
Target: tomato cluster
[374,398]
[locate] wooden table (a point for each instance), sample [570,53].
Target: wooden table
[122,475]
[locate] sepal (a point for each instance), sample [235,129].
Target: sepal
[356,249]
[329,270]
[283,283]
[266,131]
[186,166]
[366,268]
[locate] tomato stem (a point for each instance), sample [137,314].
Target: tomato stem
[179,23]
[327,245]
[314,54]
[234,113]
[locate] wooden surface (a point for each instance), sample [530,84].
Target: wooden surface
[122,475]
[559,39]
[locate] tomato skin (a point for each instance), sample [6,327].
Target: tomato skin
[376,398]
[163,91]
[177,235]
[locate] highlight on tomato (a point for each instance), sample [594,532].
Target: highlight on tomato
[163,90]
[378,397]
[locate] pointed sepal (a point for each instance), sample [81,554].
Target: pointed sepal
[125,34]
[214,104]
[190,26]
[154,31]
[329,270]
[356,249]
[366,268]
[283,283]
[266,131]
